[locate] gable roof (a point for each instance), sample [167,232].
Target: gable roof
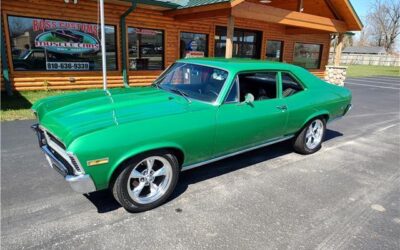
[343,9]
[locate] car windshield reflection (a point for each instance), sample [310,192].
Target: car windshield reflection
[193,81]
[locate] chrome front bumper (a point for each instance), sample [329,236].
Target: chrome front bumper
[79,183]
[347,109]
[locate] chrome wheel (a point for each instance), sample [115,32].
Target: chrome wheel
[150,179]
[314,134]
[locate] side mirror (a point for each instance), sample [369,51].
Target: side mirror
[249,98]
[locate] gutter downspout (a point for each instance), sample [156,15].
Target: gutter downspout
[4,63]
[123,43]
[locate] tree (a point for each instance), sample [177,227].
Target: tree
[384,23]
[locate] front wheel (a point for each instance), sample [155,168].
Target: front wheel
[309,140]
[146,182]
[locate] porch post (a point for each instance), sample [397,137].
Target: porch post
[229,37]
[338,49]
[335,73]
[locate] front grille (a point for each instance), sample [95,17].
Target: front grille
[59,151]
[75,164]
[63,161]
[55,140]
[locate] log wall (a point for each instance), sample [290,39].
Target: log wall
[85,11]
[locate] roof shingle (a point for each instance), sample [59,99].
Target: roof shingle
[364,50]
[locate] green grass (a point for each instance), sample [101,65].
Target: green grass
[370,70]
[17,107]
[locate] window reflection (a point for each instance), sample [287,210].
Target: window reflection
[146,49]
[274,50]
[246,43]
[56,45]
[193,45]
[307,55]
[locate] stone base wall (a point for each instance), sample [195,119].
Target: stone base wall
[335,74]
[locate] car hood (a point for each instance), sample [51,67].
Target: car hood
[73,115]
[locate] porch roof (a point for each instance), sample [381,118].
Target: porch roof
[196,9]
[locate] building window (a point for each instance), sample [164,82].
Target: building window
[246,43]
[55,45]
[193,45]
[274,50]
[146,49]
[307,55]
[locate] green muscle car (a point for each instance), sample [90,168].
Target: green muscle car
[135,141]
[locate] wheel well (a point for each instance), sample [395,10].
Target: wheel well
[175,151]
[323,116]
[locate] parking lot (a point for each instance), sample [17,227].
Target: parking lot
[346,196]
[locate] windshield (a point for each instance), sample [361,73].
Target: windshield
[193,81]
[24,54]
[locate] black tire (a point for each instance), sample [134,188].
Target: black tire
[120,185]
[299,143]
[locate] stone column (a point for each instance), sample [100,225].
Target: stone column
[335,74]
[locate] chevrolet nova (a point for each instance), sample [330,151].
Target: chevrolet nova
[135,141]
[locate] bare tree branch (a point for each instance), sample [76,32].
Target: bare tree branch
[383,21]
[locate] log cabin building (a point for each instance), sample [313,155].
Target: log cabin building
[54,44]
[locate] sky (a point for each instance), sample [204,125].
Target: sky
[362,7]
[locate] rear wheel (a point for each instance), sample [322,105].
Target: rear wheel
[147,181]
[309,140]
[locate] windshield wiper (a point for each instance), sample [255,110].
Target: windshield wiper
[157,85]
[180,92]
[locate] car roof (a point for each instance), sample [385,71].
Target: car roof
[239,64]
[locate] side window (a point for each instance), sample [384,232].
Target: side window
[233,93]
[262,85]
[290,85]
[38,55]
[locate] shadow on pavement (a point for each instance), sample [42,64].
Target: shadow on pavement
[14,102]
[105,202]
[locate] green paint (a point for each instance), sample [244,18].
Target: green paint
[129,121]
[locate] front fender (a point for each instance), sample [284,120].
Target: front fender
[139,150]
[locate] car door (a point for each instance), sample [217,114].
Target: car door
[241,125]
[297,99]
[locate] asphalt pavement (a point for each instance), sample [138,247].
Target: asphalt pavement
[346,196]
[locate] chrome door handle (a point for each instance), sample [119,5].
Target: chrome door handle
[282,107]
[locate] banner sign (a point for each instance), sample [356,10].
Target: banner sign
[66,37]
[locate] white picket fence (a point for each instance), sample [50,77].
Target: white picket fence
[365,59]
